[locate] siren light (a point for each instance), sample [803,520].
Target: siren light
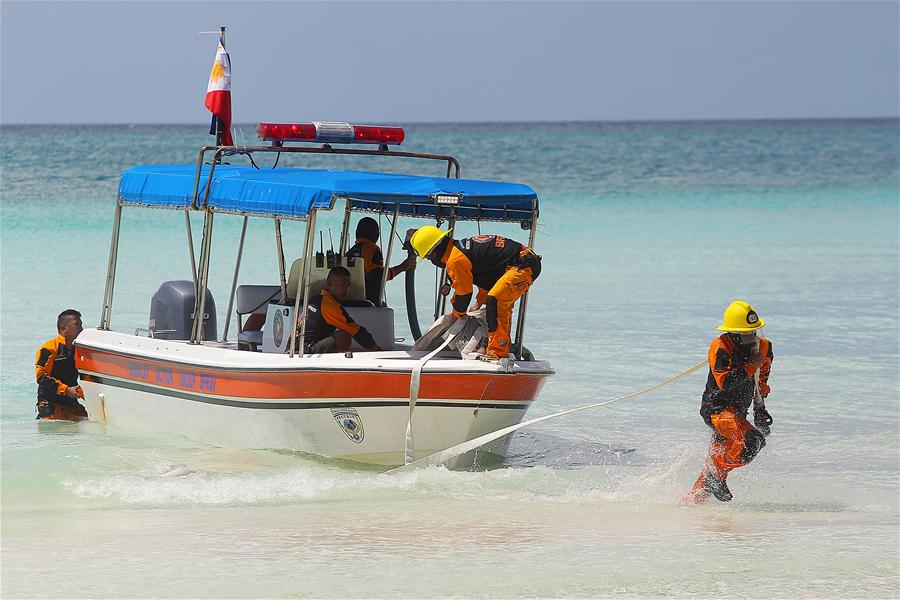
[330,132]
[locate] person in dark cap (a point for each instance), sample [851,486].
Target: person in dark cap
[366,247]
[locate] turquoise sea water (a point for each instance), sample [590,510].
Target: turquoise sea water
[647,230]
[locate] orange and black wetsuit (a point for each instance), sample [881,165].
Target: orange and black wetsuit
[730,391]
[55,372]
[374,266]
[325,314]
[502,268]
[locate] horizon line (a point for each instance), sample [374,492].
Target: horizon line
[478,122]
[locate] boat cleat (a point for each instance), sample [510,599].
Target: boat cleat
[504,363]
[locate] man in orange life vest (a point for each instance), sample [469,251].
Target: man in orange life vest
[501,268]
[56,372]
[328,326]
[366,248]
[739,365]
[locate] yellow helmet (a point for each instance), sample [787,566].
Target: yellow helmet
[740,318]
[425,239]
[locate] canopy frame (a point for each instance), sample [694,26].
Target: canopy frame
[200,268]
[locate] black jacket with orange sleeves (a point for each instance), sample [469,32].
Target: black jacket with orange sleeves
[482,260]
[325,314]
[731,375]
[55,371]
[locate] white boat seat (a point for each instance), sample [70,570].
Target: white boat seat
[253,300]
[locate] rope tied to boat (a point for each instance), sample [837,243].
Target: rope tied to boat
[452,452]
[416,379]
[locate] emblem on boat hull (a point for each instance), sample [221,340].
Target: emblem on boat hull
[278,329]
[350,423]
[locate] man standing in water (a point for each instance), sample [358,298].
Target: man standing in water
[56,373]
[501,267]
[739,365]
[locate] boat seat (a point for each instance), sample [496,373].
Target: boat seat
[318,274]
[253,300]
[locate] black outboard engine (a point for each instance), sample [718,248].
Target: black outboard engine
[171,309]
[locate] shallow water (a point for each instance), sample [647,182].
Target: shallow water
[647,231]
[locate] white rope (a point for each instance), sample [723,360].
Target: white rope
[414,381]
[454,451]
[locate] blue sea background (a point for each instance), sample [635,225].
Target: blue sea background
[648,230]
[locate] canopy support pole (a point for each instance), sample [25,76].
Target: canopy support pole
[303,284]
[345,230]
[442,300]
[237,269]
[106,312]
[280,246]
[387,259]
[523,303]
[200,301]
[190,241]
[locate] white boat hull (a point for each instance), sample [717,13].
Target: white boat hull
[252,400]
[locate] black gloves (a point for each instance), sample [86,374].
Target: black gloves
[762,419]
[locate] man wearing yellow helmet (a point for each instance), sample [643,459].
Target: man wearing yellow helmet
[739,365]
[501,268]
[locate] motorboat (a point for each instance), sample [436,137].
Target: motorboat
[261,389]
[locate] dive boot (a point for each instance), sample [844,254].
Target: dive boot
[717,487]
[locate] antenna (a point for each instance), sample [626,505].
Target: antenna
[329,256]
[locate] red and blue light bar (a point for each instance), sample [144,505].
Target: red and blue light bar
[330,133]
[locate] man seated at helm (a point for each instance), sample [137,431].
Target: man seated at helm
[328,326]
[366,248]
[503,267]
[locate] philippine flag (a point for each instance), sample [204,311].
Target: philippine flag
[218,94]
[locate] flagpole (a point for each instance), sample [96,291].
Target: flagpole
[218,121]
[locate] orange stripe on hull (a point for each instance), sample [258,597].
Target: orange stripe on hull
[275,384]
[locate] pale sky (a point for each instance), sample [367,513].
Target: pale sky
[144,62]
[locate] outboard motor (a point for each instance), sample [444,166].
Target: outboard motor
[171,309]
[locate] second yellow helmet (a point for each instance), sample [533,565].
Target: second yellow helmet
[740,317]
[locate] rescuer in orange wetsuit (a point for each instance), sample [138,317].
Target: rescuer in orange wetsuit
[739,365]
[328,326]
[56,372]
[501,268]
[366,248]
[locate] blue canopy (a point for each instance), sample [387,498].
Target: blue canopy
[293,193]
